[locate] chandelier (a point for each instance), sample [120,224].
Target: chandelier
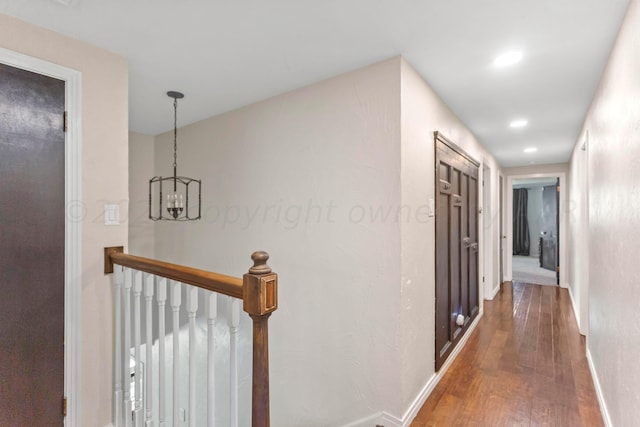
[174,198]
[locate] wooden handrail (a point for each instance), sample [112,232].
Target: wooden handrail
[214,282]
[258,290]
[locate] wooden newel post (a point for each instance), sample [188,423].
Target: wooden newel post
[260,299]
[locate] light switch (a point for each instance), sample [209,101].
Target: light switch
[111,215]
[432,208]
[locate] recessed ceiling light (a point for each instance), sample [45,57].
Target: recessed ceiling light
[518,123]
[508,58]
[530,150]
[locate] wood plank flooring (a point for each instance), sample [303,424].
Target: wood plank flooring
[524,365]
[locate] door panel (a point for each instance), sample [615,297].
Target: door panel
[32,224]
[443,207]
[456,245]
[474,282]
[549,248]
[463,308]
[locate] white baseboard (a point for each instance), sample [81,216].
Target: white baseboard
[370,421]
[389,420]
[596,383]
[494,292]
[576,314]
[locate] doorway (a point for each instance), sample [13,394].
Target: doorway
[536,228]
[71,212]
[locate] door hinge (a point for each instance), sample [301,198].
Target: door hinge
[482,279]
[558,188]
[64,121]
[64,406]
[558,269]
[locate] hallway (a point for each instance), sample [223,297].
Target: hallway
[524,365]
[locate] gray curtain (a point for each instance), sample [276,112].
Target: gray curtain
[520,222]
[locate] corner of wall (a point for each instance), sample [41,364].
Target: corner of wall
[141,169]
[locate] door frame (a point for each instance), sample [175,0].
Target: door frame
[74,213]
[584,291]
[501,233]
[562,232]
[486,235]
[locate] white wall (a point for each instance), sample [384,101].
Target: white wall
[613,123]
[423,112]
[104,180]
[141,170]
[300,176]
[333,181]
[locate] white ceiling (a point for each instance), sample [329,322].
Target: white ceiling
[224,54]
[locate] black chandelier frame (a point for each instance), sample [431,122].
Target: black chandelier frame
[177,209]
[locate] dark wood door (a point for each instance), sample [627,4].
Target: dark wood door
[32,224]
[549,249]
[457,290]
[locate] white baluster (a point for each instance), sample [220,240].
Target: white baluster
[192,308]
[148,296]
[212,312]
[126,351]
[234,321]
[117,393]
[162,369]
[137,291]
[176,300]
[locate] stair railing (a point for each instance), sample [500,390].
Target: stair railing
[143,278]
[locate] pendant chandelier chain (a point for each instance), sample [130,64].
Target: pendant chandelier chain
[175,133]
[175,140]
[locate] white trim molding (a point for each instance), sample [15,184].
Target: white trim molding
[596,383]
[369,421]
[428,388]
[73,219]
[494,292]
[389,420]
[574,308]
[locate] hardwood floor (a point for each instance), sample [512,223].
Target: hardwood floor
[524,365]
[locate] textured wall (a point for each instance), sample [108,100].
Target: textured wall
[613,124]
[322,179]
[312,177]
[141,229]
[104,180]
[423,112]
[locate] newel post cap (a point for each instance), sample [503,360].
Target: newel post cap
[260,266]
[260,287]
